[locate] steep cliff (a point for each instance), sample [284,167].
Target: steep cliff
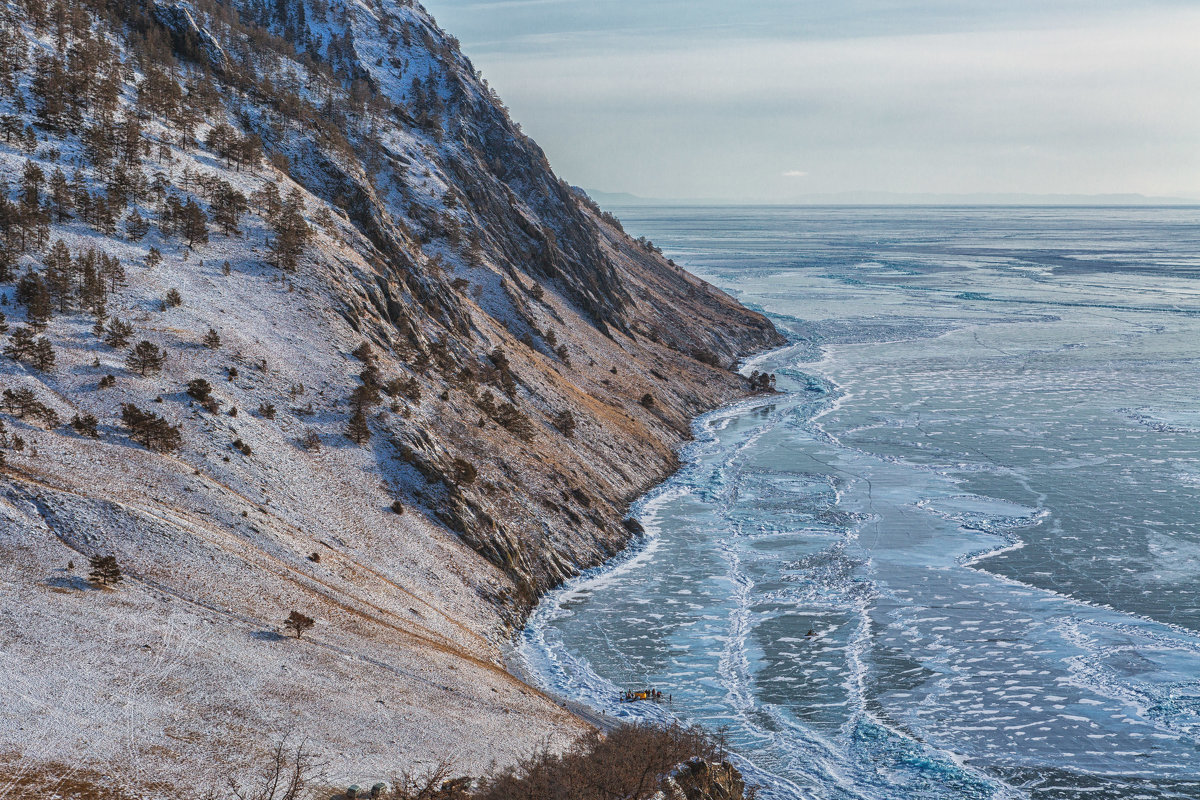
[413,378]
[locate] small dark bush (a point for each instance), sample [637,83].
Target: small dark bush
[86,425]
[199,389]
[464,471]
[398,507]
[647,400]
[564,421]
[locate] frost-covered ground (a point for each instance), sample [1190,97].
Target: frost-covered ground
[958,558]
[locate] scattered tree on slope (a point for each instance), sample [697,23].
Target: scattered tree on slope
[299,622]
[105,571]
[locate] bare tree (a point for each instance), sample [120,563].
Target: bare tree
[434,783]
[287,773]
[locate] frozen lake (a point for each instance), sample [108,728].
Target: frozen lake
[958,556]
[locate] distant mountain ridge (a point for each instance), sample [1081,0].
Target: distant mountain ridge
[619,199]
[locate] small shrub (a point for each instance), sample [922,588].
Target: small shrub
[199,389]
[150,430]
[242,447]
[630,762]
[647,400]
[464,471]
[107,381]
[397,507]
[233,373]
[409,388]
[311,440]
[212,339]
[86,425]
[174,299]
[564,421]
[514,421]
[266,410]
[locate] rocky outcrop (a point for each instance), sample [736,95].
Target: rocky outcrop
[179,18]
[703,780]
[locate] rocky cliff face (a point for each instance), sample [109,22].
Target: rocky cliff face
[414,378]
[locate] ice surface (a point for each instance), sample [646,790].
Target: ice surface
[978,493]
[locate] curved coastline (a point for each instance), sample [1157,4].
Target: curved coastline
[529,659]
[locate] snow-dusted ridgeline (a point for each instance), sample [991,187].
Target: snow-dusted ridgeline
[525,331]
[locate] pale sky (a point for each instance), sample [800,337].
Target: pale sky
[771,100]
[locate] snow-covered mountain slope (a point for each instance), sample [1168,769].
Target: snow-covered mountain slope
[258,191]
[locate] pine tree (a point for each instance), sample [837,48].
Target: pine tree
[61,197]
[32,178]
[59,275]
[86,425]
[8,259]
[146,357]
[150,429]
[212,339]
[20,344]
[105,571]
[291,233]
[200,389]
[33,294]
[357,429]
[38,309]
[112,271]
[136,226]
[193,224]
[118,333]
[299,622]
[227,207]
[42,357]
